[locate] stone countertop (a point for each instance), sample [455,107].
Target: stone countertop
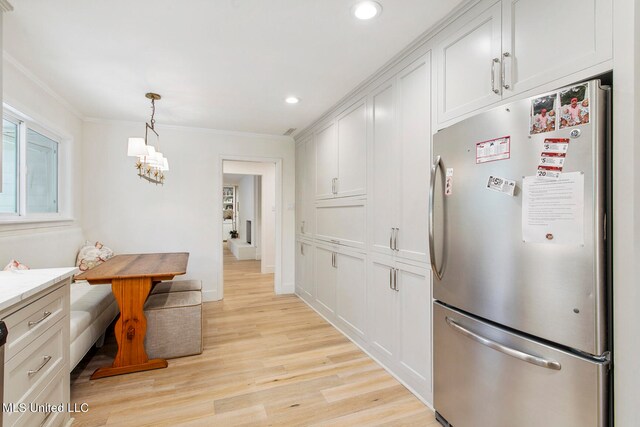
[18,285]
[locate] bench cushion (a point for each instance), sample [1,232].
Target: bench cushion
[87,303]
[173,300]
[177,286]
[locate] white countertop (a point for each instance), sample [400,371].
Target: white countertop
[18,285]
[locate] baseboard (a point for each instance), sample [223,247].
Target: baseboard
[210,295]
[366,351]
[288,288]
[268,269]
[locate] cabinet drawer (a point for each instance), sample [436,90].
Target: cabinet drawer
[35,365]
[342,223]
[38,411]
[31,321]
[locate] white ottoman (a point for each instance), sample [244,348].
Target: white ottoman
[174,324]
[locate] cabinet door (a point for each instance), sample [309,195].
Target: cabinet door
[467,64]
[384,170]
[326,161]
[351,291]
[414,152]
[300,186]
[308,209]
[352,151]
[382,309]
[304,269]
[414,292]
[325,280]
[575,34]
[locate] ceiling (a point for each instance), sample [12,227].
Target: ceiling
[221,64]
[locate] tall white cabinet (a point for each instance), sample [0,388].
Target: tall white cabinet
[363,260]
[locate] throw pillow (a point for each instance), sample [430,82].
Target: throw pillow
[15,265]
[91,256]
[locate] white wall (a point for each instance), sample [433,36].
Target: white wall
[246,211]
[266,243]
[626,211]
[131,215]
[55,244]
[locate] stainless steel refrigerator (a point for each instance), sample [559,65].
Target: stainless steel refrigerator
[519,252]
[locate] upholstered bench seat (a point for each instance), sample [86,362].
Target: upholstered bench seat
[174,324]
[93,308]
[177,286]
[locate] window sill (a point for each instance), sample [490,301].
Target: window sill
[16,223]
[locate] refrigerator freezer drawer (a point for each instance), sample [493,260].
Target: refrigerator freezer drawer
[485,376]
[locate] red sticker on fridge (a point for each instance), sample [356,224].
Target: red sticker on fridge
[493,149]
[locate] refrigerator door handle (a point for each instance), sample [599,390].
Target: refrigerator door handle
[529,358]
[432,186]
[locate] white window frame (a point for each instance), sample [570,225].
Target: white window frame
[22,216]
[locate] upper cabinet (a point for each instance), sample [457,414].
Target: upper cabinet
[341,153]
[401,153]
[468,59]
[305,196]
[576,35]
[495,52]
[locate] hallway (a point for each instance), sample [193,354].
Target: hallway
[267,360]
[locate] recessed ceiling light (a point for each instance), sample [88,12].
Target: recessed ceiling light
[366,10]
[292,100]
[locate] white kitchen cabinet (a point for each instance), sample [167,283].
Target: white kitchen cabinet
[576,35]
[351,291]
[496,51]
[325,280]
[304,269]
[399,316]
[326,148]
[401,140]
[468,59]
[342,222]
[340,161]
[305,194]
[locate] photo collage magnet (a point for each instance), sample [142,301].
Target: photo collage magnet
[566,108]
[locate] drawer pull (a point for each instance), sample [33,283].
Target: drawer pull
[46,418]
[32,372]
[44,316]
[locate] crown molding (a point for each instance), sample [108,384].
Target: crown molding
[420,41]
[183,128]
[5,6]
[42,85]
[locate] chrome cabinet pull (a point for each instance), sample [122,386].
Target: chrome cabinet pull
[32,372]
[301,248]
[432,185]
[505,83]
[494,61]
[395,239]
[335,260]
[391,278]
[302,228]
[391,239]
[526,357]
[395,280]
[335,191]
[44,316]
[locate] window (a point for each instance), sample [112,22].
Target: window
[29,171]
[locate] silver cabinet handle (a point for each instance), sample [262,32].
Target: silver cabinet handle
[301,248]
[432,185]
[494,61]
[526,357]
[395,280]
[44,316]
[302,228]
[505,82]
[391,239]
[335,260]
[395,239]
[334,182]
[32,372]
[391,278]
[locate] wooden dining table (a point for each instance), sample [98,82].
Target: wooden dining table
[132,276]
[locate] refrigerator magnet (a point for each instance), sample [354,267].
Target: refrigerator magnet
[493,149]
[448,183]
[542,117]
[574,106]
[501,185]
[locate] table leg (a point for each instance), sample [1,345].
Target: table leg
[130,330]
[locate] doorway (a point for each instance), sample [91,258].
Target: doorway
[250,223]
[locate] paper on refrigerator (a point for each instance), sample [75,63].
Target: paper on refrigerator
[553,210]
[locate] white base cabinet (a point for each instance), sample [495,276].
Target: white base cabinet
[399,314]
[304,268]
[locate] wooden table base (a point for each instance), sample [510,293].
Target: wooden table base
[130,329]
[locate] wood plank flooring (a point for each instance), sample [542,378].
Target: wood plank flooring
[268,361]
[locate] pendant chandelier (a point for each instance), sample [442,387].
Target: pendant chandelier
[150,164]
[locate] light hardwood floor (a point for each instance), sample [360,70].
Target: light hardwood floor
[268,361]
